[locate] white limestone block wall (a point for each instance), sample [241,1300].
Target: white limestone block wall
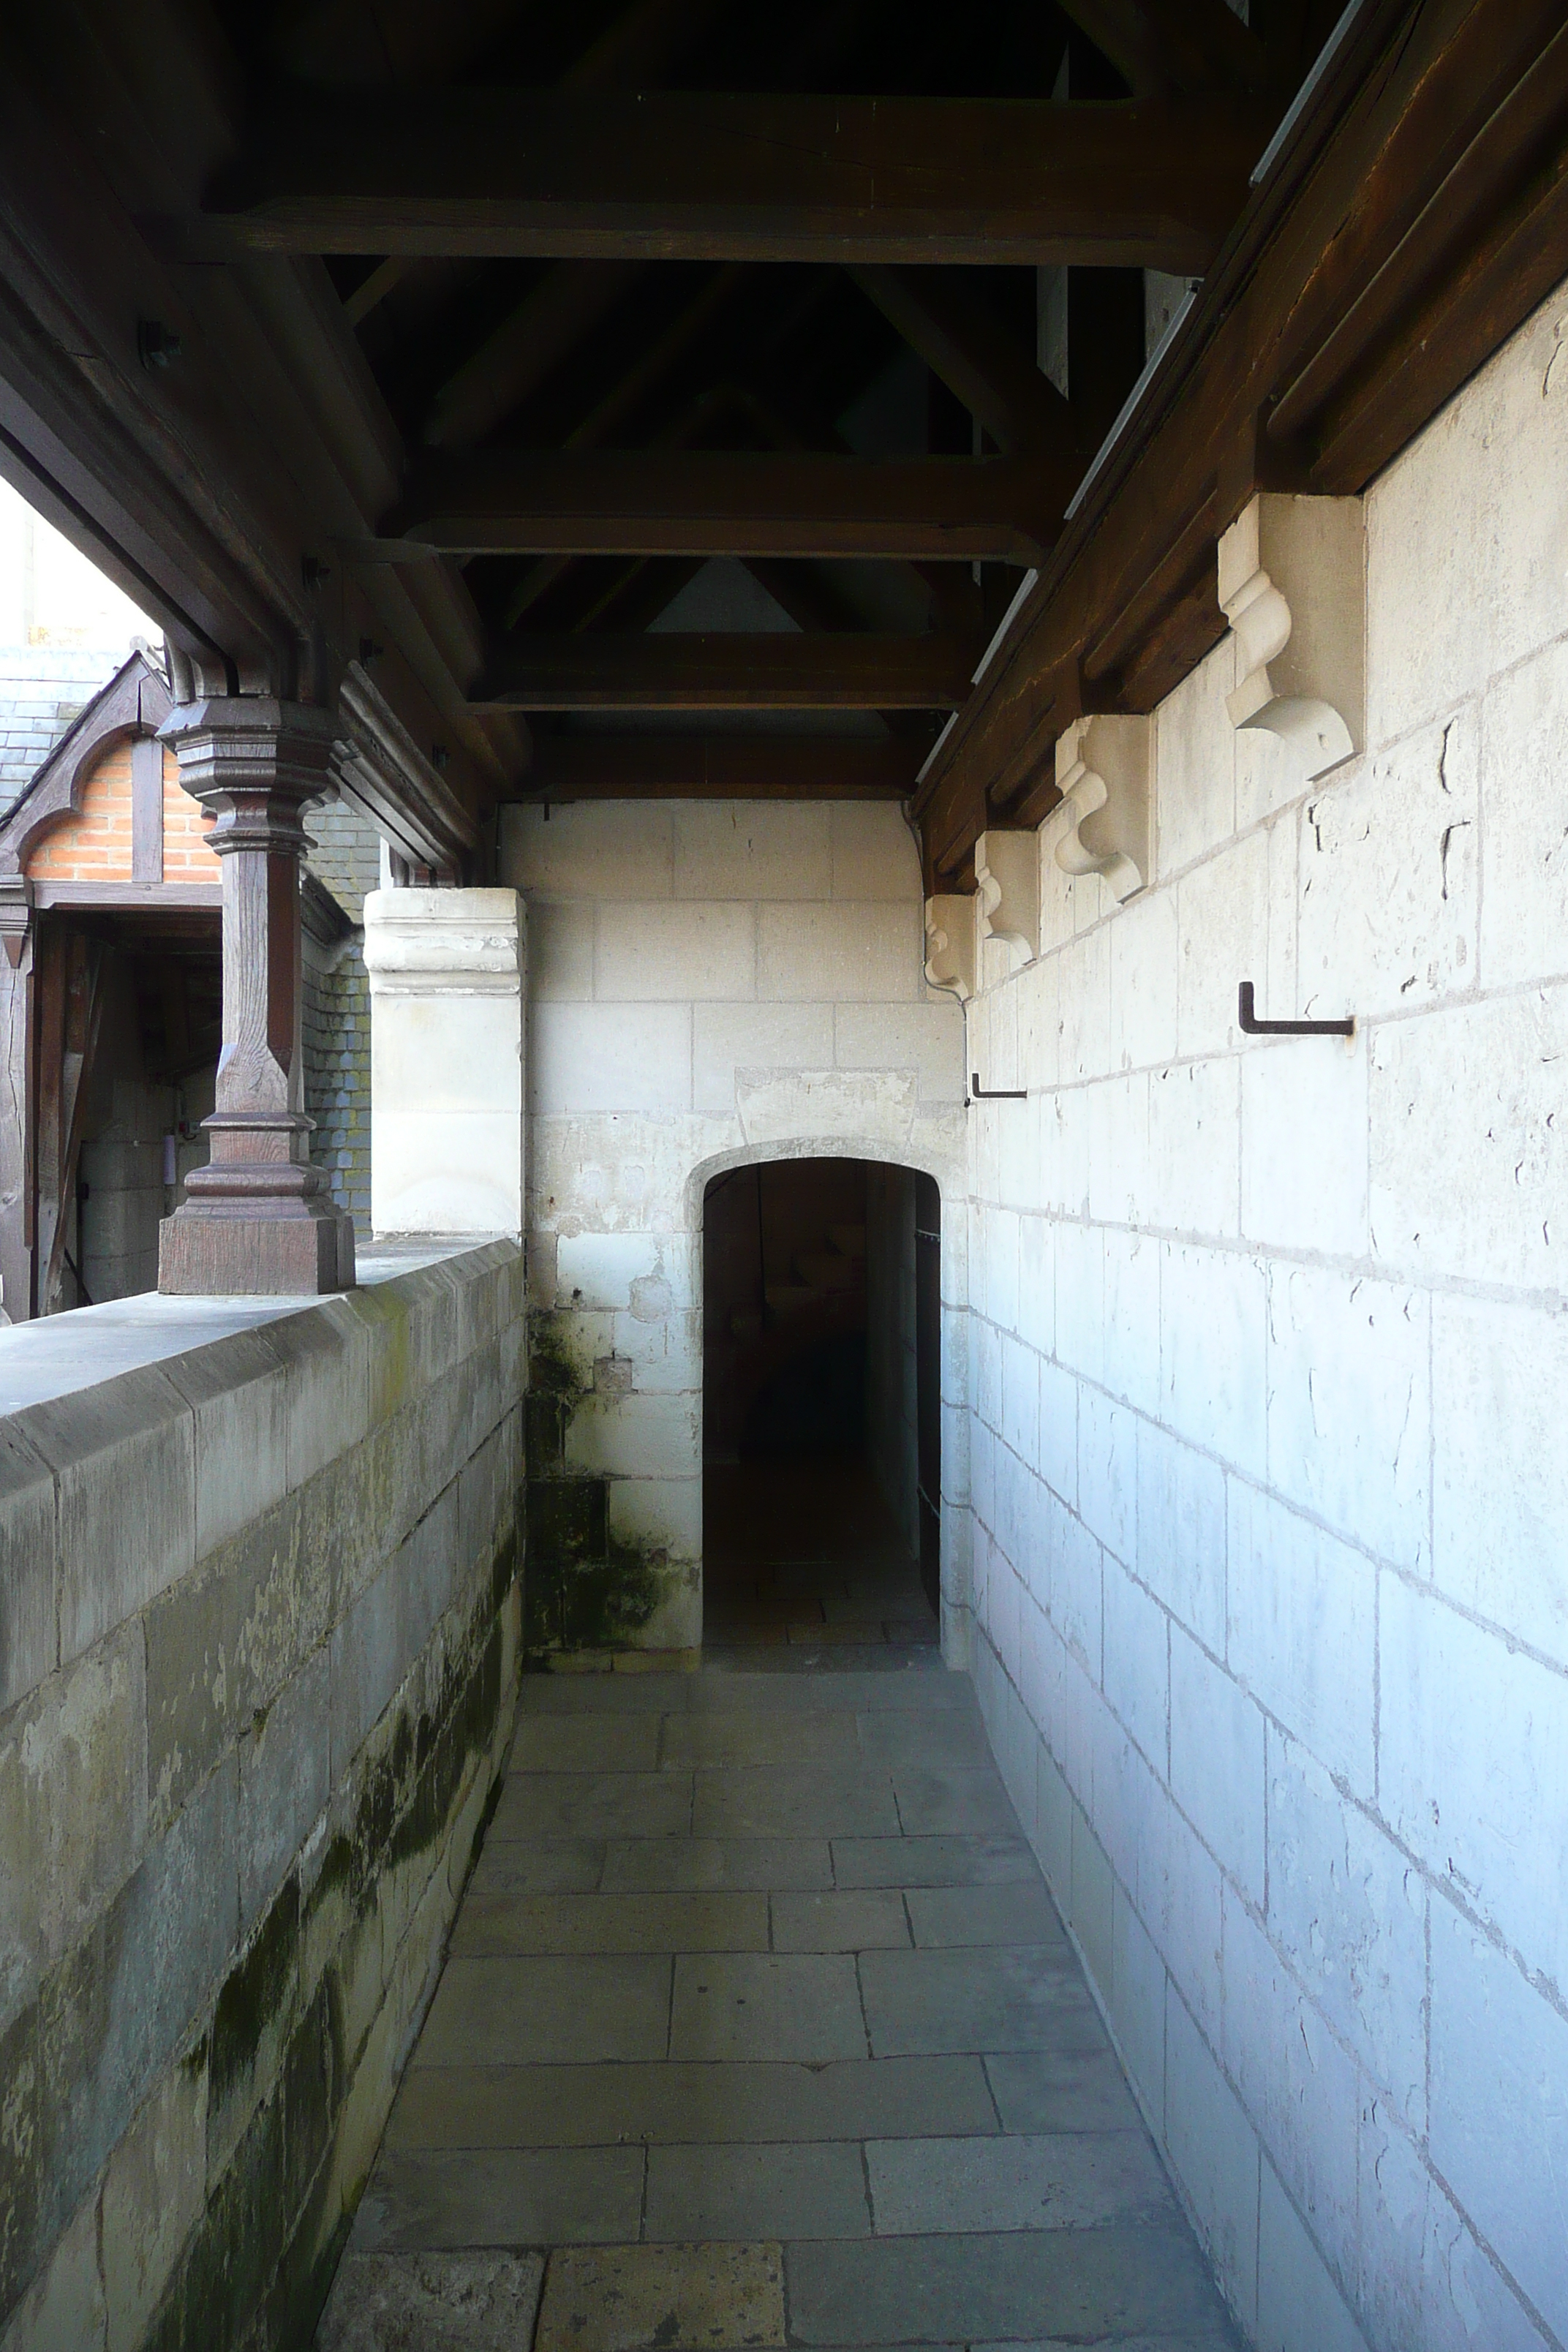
[712,983]
[1271,1483]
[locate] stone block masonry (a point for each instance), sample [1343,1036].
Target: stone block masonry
[709,983]
[1270,1516]
[260,1627]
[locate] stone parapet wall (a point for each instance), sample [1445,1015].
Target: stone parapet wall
[1270,1378]
[260,1618]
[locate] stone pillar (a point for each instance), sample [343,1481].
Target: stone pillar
[258,1217]
[447,1055]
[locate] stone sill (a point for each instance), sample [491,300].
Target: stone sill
[57,1354]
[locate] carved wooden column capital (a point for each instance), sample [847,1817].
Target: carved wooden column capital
[258,1217]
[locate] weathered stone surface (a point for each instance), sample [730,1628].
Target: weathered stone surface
[66,2304]
[284,1778]
[28,1568]
[685,2298]
[73,1810]
[432,2302]
[116,2009]
[237,1389]
[219,1645]
[194,2059]
[154,2190]
[132,1439]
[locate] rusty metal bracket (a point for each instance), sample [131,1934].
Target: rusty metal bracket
[1255,1028]
[977,1093]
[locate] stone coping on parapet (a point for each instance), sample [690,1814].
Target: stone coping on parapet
[57,1354]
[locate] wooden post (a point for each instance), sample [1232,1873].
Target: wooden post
[258,1217]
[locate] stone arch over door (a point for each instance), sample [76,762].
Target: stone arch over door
[615,1409]
[904,1151]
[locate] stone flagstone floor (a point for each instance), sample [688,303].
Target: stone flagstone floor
[759,2028]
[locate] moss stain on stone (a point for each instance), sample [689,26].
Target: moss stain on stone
[256,1993]
[587,1587]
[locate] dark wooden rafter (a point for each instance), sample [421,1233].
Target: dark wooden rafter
[738,502]
[648,670]
[668,175]
[1419,214]
[722,767]
[963,342]
[214,491]
[1174,45]
[570,297]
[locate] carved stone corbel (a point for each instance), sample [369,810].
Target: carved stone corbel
[1105,776]
[949,944]
[1292,583]
[1007,875]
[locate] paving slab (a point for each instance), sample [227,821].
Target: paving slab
[956,1737]
[709,1740]
[677,2102]
[775,1801]
[586,1743]
[431,2303]
[860,1919]
[1024,2286]
[501,2197]
[542,1865]
[516,2011]
[1062,2180]
[611,1694]
[953,1797]
[993,1997]
[767,2005]
[685,2040]
[898,1661]
[1063,2090]
[700,2298]
[931,1861]
[1020,1912]
[924,1688]
[612,1922]
[594,1804]
[811,2191]
[739,1864]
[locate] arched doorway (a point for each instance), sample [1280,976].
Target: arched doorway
[821,1413]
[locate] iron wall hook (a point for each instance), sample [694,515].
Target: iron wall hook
[1250,1022]
[977,1093]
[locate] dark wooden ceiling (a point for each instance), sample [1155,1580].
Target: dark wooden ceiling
[649,398]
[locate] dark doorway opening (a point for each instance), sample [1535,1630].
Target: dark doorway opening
[822,1414]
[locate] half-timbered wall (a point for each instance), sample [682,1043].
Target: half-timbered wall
[95,844]
[1270,1359]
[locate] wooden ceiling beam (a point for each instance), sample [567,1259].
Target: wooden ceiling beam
[954,331]
[702,503]
[664,175]
[720,767]
[655,670]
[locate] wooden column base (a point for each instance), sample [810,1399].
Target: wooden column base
[234,1246]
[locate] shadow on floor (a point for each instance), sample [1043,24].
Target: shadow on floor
[805,1568]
